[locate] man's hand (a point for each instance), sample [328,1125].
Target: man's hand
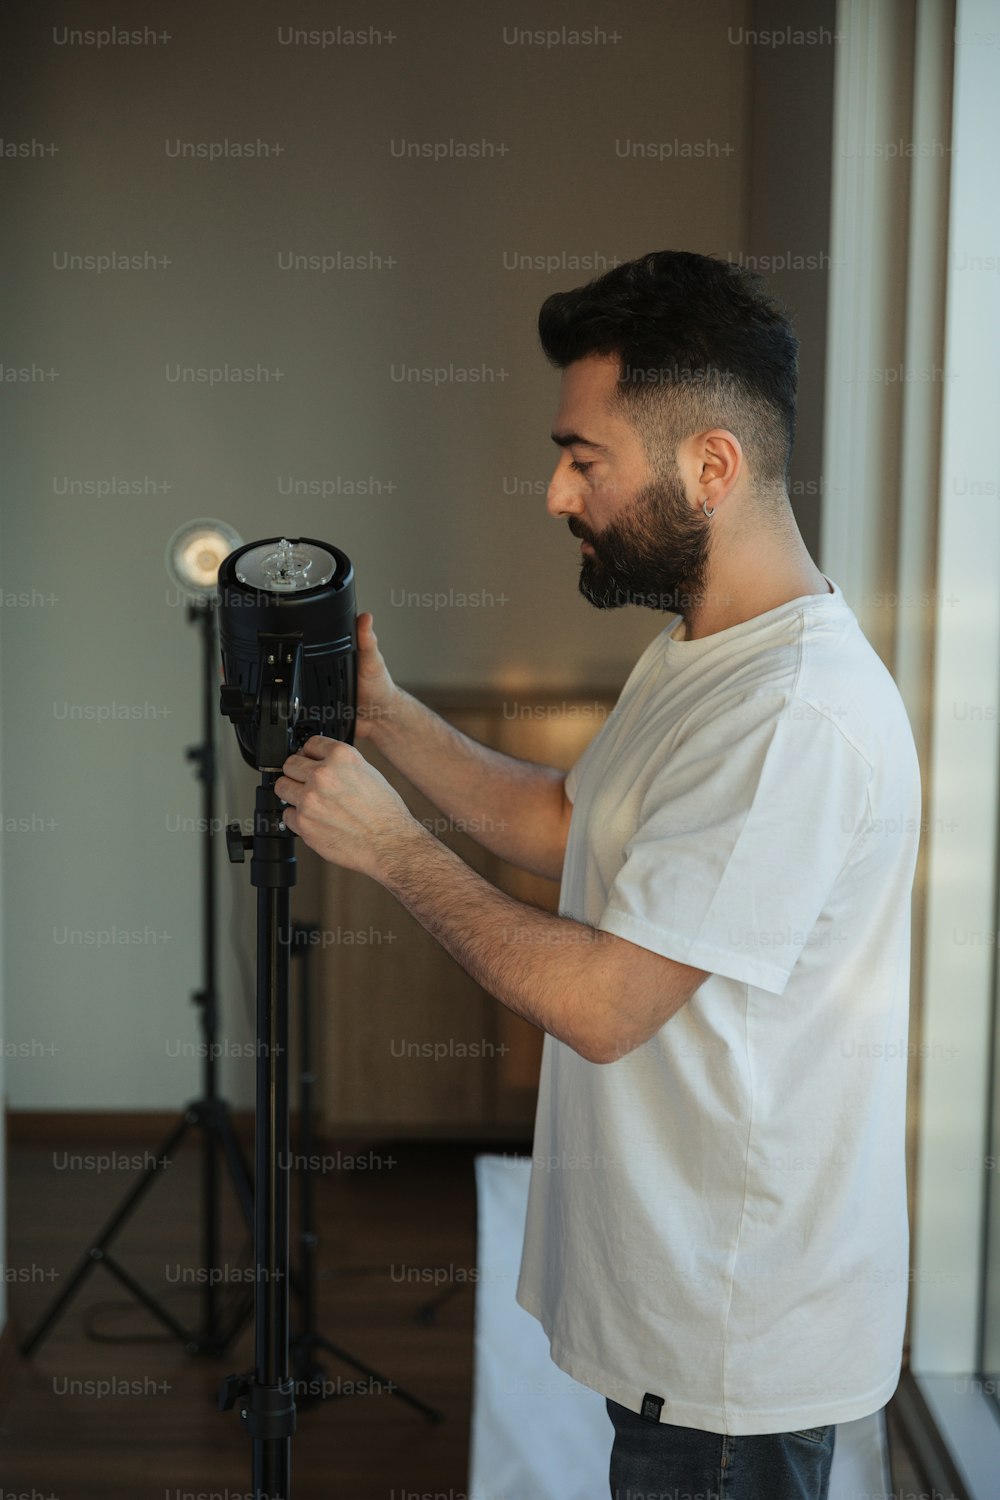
[344,809]
[376,689]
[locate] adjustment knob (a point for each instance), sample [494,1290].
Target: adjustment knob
[237,843]
[233,702]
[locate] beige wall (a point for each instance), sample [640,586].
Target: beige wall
[102,634]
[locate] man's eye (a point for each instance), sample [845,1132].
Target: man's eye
[579,467]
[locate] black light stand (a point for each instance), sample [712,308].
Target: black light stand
[283,683]
[208,1114]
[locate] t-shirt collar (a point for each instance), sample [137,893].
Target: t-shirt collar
[675,637]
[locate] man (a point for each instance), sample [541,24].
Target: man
[725,988]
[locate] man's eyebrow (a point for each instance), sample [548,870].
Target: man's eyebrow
[574,440]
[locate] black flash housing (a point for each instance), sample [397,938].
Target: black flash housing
[288,636]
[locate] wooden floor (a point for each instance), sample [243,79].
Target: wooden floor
[388,1234]
[144,1425]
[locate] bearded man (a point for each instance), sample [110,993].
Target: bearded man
[726,1259]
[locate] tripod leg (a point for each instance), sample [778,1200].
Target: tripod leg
[430,1412]
[210,1228]
[213,1115]
[148,1300]
[96,1254]
[239,1170]
[216,1120]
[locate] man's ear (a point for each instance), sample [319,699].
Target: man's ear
[715,463]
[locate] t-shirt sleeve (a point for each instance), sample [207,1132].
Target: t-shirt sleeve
[577,768]
[741,837]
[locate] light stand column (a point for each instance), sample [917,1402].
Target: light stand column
[266,1398]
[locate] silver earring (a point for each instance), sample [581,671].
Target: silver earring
[704,506]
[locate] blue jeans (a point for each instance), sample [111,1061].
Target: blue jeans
[657,1461]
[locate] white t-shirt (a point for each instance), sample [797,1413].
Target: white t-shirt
[718,1219]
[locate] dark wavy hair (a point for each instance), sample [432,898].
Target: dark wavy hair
[701,343]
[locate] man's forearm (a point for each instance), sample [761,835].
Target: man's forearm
[600,993]
[512,807]
[553,971]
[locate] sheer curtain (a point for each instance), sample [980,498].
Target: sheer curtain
[911,528]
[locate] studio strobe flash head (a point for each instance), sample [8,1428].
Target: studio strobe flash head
[288,634]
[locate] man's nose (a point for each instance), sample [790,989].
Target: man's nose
[564,496]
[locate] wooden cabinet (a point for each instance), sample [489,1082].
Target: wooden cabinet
[409,1043]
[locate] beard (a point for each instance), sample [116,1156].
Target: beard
[654,554]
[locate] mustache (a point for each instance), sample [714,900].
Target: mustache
[580,531]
